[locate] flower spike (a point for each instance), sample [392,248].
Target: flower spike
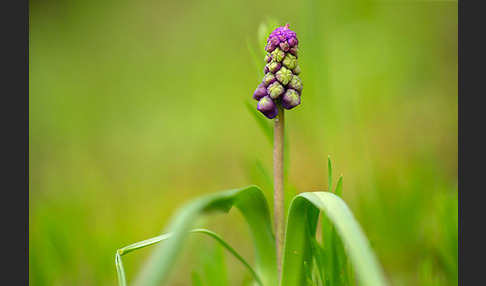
[281,84]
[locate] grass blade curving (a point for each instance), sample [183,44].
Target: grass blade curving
[301,223]
[251,203]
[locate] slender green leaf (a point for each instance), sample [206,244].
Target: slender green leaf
[122,280]
[160,238]
[251,203]
[329,173]
[303,213]
[339,187]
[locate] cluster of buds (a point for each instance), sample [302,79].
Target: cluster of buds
[281,84]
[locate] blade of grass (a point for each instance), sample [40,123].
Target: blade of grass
[251,203]
[160,238]
[329,173]
[339,187]
[362,257]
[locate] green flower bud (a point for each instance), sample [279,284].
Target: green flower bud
[284,75]
[278,55]
[295,83]
[273,66]
[296,70]
[289,61]
[275,90]
[269,78]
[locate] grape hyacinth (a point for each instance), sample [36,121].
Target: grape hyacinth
[281,84]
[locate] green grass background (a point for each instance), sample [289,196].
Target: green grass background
[138,106]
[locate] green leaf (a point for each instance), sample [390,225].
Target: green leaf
[301,222]
[329,172]
[160,238]
[251,203]
[339,187]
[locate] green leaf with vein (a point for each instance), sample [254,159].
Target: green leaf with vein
[301,224]
[160,238]
[250,201]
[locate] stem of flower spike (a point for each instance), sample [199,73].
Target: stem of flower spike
[278,187]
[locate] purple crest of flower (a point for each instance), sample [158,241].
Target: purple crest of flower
[283,34]
[290,99]
[260,92]
[268,107]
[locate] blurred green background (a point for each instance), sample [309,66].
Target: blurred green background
[139,106]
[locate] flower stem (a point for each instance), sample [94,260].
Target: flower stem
[278,186]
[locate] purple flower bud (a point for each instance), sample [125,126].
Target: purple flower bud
[275,90]
[260,92]
[294,50]
[268,79]
[284,46]
[292,41]
[295,83]
[275,40]
[290,99]
[268,107]
[273,67]
[270,47]
[289,61]
[266,70]
[284,75]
